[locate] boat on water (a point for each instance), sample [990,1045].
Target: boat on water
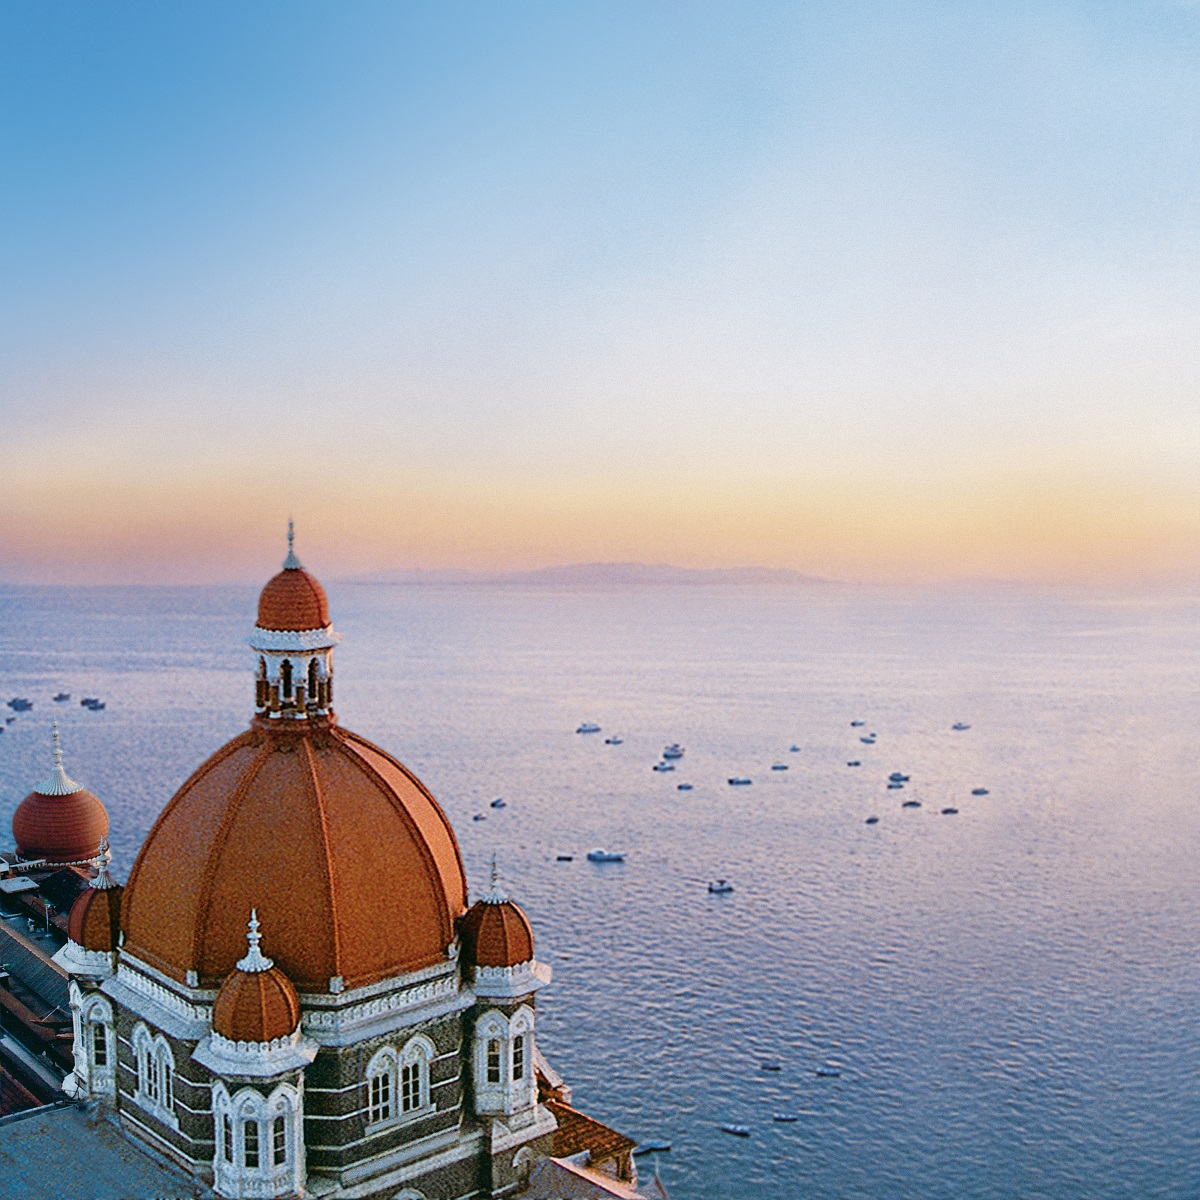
[674,750]
[612,741]
[911,804]
[785,1118]
[20,704]
[740,781]
[979,791]
[868,741]
[664,766]
[872,821]
[959,726]
[829,1072]
[479,817]
[59,697]
[793,749]
[896,777]
[779,766]
[605,856]
[894,785]
[92,702]
[736,1130]
[685,787]
[588,727]
[564,858]
[855,763]
[949,812]
[770,1065]
[499,803]
[651,1147]
[720,887]
[857,724]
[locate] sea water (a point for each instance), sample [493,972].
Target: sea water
[1011,994]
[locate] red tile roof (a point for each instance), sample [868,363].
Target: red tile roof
[578,1132]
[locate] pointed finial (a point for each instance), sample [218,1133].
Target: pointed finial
[496,895]
[254,960]
[291,563]
[103,880]
[59,784]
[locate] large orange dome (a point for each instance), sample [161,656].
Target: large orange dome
[293,601]
[344,847]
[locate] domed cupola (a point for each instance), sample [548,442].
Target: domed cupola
[495,932]
[94,922]
[60,820]
[297,817]
[257,1002]
[294,640]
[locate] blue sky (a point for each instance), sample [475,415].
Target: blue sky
[873,290]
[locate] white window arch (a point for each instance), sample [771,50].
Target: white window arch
[258,1141]
[381,1087]
[95,1045]
[503,1061]
[155,1074]
[416,1059]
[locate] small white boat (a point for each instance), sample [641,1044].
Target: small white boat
[664,766]
[719,887]
[857,724]
[740,781]
[498,803]
[779,767]
[785,1118]
[959,726]
[605,856]
[479,817]
[651,1147]
[829,1072]
[612,741]
[736,1130]
[588,727]
[674,750]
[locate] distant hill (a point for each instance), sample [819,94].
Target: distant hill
[600,575]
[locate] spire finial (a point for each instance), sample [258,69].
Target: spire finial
[291,563]
[254,960]
[103,880]
[59,784]
[496,895]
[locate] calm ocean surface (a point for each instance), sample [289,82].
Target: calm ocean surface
[1012,994]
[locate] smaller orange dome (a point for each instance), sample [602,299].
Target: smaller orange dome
[293,601]
[95,918]
[60,820]
[257,1002]
[495,932]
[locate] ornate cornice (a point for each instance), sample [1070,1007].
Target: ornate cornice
[255,1059]
[509,982]
[280,641]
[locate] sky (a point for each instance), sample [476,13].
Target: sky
[893,291]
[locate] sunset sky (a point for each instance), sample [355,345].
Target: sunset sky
[891,291]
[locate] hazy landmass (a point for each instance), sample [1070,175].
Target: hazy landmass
[597,574]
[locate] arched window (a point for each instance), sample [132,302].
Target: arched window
[250,1142]
[99,1046]
[144,1050]
[381,1087]
[164,1070]
[262,668]
[518,1057]
[312,680]
[279,1141]
[493,1060]
[227,1137]
[155,1074]
[415,1060]
[285,672]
